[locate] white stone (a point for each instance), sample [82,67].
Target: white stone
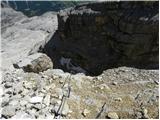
[50,116]
[8,111]
[22,115]
[114,83]
[8,85]
[36,99]
[46,100]
[85,112]
[112,115]
[23,102]
[118,99]
[14,102]
[65,110]
[5,100]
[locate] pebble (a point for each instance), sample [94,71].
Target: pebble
[41,117]
[65,109]
[85,112]
[49,116]
[99,78]
[19,78]
[17,96]
[23,102]
[21,115]
[14,102]
[18,88]
[36,99]
[8,111]
[28,85]
[145,113]
[45,76]
[55,77]
[114,83]
[25,92]
[118,99]
[5,101]
[138,115]
[8,85]
[38,106]
[112,115]
[46,100]
[50,86]
[104,86]
[29,105]
[41,94]
[61,81]
[58,93]
[8,91]
[32,111]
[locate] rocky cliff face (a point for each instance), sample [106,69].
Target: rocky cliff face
[101,35]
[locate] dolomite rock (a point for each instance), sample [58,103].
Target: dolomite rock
[36,99]
[112,115]
[104,35]
[8,111]
[85,112]
[65,109]
[22,35]
[22,115]
[35,63]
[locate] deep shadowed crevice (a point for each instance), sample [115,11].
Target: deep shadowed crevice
[55,51]
[106,35]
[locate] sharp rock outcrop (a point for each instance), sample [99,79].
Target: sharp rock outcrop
[103,35]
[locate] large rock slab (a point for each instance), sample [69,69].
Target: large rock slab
[37,62]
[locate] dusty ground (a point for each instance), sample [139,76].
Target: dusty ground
[129,92]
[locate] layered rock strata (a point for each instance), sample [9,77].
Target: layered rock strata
[101,35]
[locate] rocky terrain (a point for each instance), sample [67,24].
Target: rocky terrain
[21,34]
[117,33]
[91,85]
[117,93]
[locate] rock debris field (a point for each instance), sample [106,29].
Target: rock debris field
[33,88]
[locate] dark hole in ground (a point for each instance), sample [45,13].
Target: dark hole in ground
[55,50]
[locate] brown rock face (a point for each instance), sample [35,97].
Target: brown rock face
[103,35]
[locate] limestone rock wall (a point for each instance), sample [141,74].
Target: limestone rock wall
[101,35]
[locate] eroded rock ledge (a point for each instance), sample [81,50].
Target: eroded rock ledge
[101,35]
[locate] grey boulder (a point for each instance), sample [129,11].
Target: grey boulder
[37,62]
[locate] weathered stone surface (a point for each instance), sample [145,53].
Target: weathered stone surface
[21,35]
[112,115]
[46,100]
[5,101]
[117,33]
[129,92]
[8,111]
[135,94]
[65,110]
[36,99]
[22,115]
[85,112]
[35,63]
